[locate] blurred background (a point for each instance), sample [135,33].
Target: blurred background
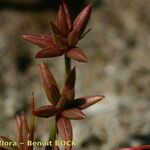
[118,67]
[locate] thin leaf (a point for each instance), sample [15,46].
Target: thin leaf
[77,54]
[88,101]
[82,20]
[42,41]
[50,52]
[20,133]
[45,111]
[68,17]
[25,129]
[57,36]
[74,113]
[55,32]
[55,29]
[62,21]
[73,38]
[79,25]
[49,84]
[32,118]
[65,130]
[84,34]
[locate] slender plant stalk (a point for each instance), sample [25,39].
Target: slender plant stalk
[67,66]
[53,130]
[53,134]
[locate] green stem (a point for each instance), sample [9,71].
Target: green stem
[53,135]
[67,66]
[53,130]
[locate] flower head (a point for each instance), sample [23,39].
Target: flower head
[63,105]
[65,35]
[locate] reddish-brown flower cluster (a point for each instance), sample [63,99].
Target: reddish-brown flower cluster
[63,105]
[65,35]
[25,133]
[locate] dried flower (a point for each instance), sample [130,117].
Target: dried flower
[63,105]
[65,35]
